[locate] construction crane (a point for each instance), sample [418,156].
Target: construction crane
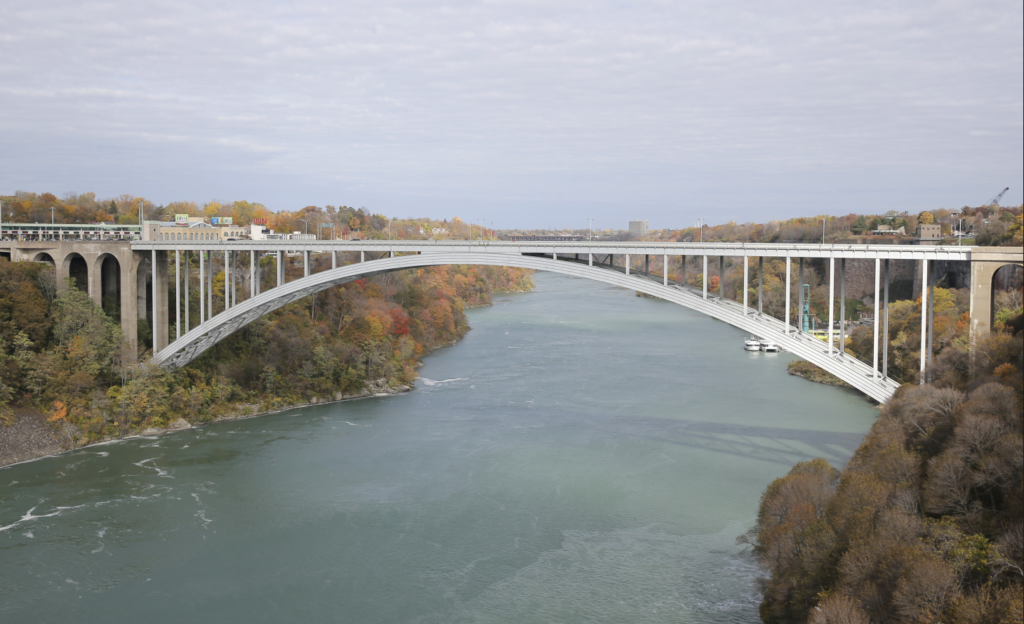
[995,200]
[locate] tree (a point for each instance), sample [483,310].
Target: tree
[925,218]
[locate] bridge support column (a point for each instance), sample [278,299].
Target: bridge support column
[305,263]
[721,277]
[209,286]
[188,301]
[842,306]
[705,275]
[831,300]
[227,280]
[874,358]
[664,270]
[627,264]
[789,266]
[334,259]
[234,278]
[202,287]
[362,256]
[924,316]
[129,300]
[801,322]
[683,274]
[647,264]
[161,308]
[252,273]
[760,285]
[177,293]
[885,326]
[590,259]
[259,273]
[931,314]
[746,265]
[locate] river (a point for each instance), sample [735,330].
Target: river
[583,455]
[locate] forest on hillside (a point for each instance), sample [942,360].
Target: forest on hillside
[65,358]
[926,522]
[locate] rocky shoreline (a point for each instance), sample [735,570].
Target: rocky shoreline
[32,437]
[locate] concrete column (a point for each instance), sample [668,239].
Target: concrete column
[554,255]
[931,316]
[627,264]
[95,279]
[234,278]
[209,286]
[129,301]
[682,274]
[831,300]
[721,277]
[280,268]
[334,259]
[162,303]
[305,264]
[202,287]
[842,305]
[252,273]
[362,256]
[874,359]
[664,270]
[789,264]
[647,264]
[259,273]
[924,316]
[746,265]
[188,301]
[705,294]
[885,326]
[800,300]
[590,259]
[760,284]
[177,293]
[227,280]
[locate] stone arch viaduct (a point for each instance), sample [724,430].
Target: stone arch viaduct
[104,268]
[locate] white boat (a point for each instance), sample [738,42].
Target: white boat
[770,347]
[752,344]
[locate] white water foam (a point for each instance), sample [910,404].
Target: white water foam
[432,382]
[159,472]
[28,517]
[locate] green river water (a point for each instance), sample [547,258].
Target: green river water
[583,455]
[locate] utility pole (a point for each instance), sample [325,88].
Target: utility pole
[700,225]
[590,236]
[822,231]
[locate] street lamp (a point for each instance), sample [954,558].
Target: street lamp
[700,226]
[823,231]
[590,236]
[306,227]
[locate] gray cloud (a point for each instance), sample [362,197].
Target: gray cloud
[524,113]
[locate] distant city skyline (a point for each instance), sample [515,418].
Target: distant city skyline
[520,115]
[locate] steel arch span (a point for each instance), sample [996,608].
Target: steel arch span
[849,369]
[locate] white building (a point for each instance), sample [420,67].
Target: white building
[638,229]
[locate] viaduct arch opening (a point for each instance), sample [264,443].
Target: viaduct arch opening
[77,269]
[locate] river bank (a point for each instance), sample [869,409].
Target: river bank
[32,437]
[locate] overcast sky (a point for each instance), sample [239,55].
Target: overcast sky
[520,113]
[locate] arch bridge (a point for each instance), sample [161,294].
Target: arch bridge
[626,265]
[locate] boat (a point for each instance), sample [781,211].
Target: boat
[752,344]
[770,347]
